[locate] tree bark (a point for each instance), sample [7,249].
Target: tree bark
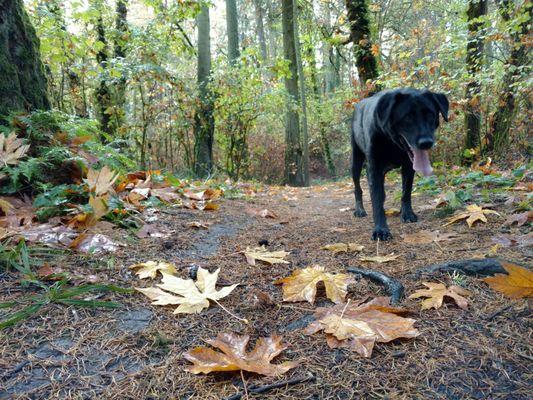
[294,164]
[474,60]
[366,62]
[23,85]
[259,25]
[232,26]
[498,136]
[204,121]
[121,37]
[103,94]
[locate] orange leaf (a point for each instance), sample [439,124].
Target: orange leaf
[518,284]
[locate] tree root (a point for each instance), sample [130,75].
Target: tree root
[277,385]
[472,267]
[393,287]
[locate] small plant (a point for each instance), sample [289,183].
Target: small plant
[457,279]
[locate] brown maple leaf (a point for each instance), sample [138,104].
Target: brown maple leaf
[472,214]
[426,237]
[12,149]
[517,284]
[437,291]
[301,285]
[234,356]
[344,247]
[519,219]
[359,326]
[101,182]
[379,259]
[262,254]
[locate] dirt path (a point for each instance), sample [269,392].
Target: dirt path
[136,352]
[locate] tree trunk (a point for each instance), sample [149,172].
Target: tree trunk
[232,26]
[121,37]
[303,98]
[366,62]
[259,25]
[204,121]
[103,95]
[294,164]
[474,60]
[23,84]
[498,136]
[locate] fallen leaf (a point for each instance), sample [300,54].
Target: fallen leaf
[514,240]
[234,356]
[519,219]
[392,212]
[207,194]
[12,149]
[359,326]
[472,214]
[262,254]
[5,206]
[94,244]
[198,225]
[101,182]
[55,236]
[193,296]
[168,195]
[301,285]
[345,209]
[46,272]
[149,269]
[426,237]
[264,213]
[344,247]
[152,231]
[379,259]
[516,285]
[205,206]
[436,293]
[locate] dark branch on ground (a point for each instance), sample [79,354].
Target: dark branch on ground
[472,267]
[393,287]
[277,385]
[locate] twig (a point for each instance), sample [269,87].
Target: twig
[244,385]
[393,286]
[498,312]
[472,267]
[244,320]
[277,385]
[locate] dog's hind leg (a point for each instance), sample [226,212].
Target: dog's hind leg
[358,159]
[408,174]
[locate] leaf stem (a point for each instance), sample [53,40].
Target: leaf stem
[243,320]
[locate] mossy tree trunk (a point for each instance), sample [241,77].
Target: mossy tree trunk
[477,9]
[121,38]
[103,92]
[23,84]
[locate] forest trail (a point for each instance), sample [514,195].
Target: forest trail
[136,352]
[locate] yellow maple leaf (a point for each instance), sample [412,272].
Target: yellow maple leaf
[192,297]
[472,214]
[518,284]
[102,181]
[262,254]
[437,291]
[301,285]
[379,259]
[149,269]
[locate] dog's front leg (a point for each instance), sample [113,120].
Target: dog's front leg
[407,213]
[376,180]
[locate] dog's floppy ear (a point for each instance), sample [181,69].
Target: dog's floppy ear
[384,108]
[442,103]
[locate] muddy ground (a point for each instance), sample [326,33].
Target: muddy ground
[136,352]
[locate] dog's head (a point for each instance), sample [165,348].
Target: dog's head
[411,118]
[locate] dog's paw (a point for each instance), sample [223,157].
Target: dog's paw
[408,216]
[381,234]
[359,212]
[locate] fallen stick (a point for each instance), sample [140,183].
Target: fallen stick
[393,287]
[472,267]
[277,385]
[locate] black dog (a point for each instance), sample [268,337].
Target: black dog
[393,128]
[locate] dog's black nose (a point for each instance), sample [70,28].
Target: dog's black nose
[425,143]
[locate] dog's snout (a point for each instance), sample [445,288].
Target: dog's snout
[425,143]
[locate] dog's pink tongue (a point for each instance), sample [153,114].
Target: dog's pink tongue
[421,162]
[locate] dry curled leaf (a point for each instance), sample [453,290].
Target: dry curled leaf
[101,182]
[301,285]
[192,297]
[262,254]
[234,356]
[359,326]
[519,219]
[198,225]
[203,195]
[149,269]
[437,291]
[12,149]
[426,237]
[344,247]
[518,284]
[379,259]
[472,214]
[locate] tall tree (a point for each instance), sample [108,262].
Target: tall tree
[360,36]
[294,162]
[103,93]
[232,24]
[204,121]
[23,82]
[260,26]
[498,136]
[121,37]
[477,9]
